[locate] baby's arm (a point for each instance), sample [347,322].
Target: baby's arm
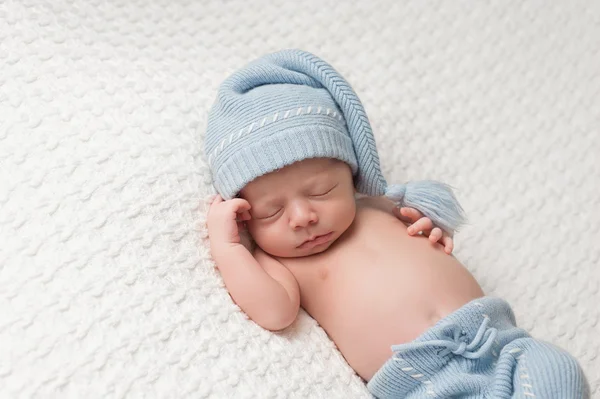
[263,288]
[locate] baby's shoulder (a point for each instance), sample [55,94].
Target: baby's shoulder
[380,203]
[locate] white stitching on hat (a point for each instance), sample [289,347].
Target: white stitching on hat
[264,121]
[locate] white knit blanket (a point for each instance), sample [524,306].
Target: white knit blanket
[107,288]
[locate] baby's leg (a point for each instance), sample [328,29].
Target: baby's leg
[528,369]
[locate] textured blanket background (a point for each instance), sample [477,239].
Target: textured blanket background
[107,288]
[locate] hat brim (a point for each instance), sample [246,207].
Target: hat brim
[282,148]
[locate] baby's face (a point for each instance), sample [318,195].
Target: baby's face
[310,199]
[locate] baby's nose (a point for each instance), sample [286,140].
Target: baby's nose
[302,215]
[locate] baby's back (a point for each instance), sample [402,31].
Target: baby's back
[377,286]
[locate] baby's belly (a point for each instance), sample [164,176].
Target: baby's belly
[379,287]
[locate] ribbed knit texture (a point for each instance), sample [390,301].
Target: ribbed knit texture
[464,355]
[282,108]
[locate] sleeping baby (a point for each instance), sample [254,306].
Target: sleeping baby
[294,162]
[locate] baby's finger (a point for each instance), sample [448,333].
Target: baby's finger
[422,224]
[218,199]
[239,205]
[396,211]
[436,234]
[448,244]
[411,214]
[245,215]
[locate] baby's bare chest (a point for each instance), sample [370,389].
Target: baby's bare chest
[376,248]
[375,261]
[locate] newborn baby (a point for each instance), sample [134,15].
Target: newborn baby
[350,264]
[290,148]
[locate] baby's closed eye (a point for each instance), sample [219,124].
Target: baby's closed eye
[323,191]
[266,214]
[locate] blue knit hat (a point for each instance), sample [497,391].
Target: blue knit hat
[291,105]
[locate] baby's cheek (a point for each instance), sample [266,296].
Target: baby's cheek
[253,229]
[345,211]
[262,234]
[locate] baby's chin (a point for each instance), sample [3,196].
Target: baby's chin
[314,251]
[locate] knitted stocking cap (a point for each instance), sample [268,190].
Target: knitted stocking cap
[289,106]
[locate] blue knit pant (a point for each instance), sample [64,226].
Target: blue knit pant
[478,352]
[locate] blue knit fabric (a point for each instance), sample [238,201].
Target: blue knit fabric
[291,105]
[281,109]
[478,352]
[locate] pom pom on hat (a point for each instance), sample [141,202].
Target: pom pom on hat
[433,199]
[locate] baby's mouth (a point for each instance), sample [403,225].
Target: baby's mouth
[316,240]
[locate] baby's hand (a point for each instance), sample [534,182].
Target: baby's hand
[225,220]
[419,223]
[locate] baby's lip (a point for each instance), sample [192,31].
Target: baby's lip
[317,238]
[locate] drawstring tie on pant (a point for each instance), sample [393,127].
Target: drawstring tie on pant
[483,339]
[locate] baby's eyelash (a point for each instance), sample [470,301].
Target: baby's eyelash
[271,215]
[314,195]
[326,192]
